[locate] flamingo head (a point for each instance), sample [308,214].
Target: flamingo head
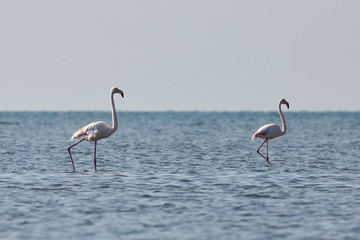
[283,101]
[116,90]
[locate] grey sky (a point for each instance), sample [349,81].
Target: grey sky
[180,55]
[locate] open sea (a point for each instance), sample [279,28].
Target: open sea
[180,175]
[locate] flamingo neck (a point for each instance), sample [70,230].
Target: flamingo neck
[283,131]
[113,111]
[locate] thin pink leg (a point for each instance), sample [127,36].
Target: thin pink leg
[70,152]
[258,150]
[267,154]
[95,156]
[267,151]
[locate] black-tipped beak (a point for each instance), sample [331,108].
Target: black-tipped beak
[288,105]
[121,92]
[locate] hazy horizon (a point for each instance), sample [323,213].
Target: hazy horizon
[285,111]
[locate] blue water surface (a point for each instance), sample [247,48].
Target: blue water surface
[180,175]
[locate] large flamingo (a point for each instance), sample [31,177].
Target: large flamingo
[97,130]
[270,131]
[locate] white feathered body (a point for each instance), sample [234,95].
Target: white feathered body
[268,131]
[94,131]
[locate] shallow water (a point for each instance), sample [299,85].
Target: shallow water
[180,175]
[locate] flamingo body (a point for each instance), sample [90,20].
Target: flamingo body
[94,131]
[270,131]
[97,130]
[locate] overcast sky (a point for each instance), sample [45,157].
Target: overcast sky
[180,54]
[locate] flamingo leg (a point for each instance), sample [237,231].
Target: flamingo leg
[95,156]
[267,152]
[70,152]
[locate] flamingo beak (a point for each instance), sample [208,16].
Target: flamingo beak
[121,92]
[287,104]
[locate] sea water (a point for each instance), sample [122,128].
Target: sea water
[180,175]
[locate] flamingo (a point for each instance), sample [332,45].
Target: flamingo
[270,131]
[97,130]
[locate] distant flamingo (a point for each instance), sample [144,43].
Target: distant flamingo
[270,131]
[97,130]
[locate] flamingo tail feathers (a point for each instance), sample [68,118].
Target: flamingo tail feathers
[78,133]
[254,136]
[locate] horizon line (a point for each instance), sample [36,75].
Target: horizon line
[189,111]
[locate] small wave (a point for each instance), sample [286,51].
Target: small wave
[9,123]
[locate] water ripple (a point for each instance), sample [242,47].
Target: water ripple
[180,176]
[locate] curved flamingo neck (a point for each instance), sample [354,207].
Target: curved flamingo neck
[283,131]
[113,111]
